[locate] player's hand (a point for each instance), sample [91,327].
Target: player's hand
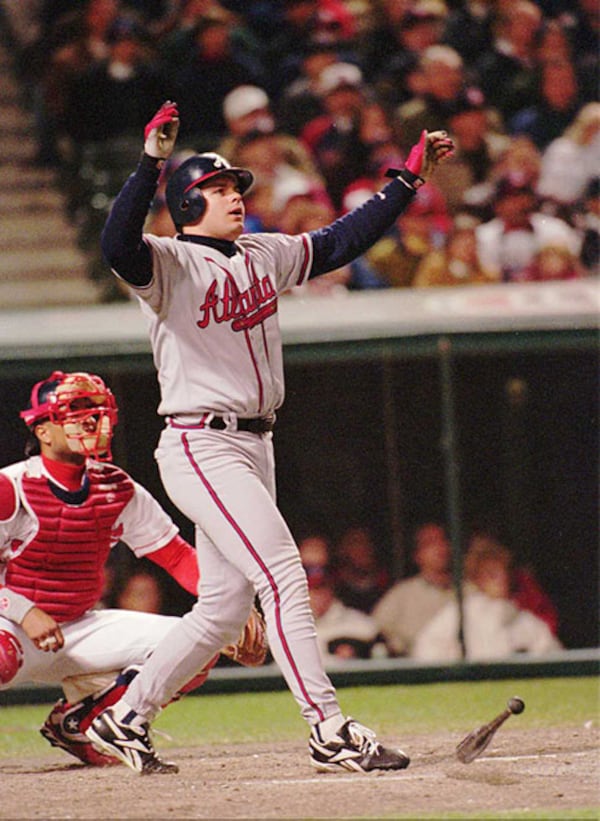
[432,149]
[43,631]
[160,133]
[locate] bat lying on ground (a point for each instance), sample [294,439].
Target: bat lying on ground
[475,743]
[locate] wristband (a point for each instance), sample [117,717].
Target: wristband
[413,180]
[14,606]
[151,162]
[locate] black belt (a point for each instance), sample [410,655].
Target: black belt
[257,424]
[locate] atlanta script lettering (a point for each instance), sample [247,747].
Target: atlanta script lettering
[244,309]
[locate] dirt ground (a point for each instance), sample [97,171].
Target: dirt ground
[543,769]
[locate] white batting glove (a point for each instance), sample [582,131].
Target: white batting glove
[160,133]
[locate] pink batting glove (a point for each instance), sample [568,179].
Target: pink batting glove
[161,132]
[165,114]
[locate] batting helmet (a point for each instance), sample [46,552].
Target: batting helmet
[82,404]
[185,200]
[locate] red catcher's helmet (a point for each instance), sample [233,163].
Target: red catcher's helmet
[82,404]
[185,201]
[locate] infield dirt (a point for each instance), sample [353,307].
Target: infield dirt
[555,769]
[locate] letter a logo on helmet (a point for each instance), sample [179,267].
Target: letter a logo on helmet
[185,199]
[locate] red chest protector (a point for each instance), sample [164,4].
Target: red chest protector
[61,569]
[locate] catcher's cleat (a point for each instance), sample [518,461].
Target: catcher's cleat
[130,743]
[61,729]
[354,747]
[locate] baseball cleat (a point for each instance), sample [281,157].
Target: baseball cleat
[355,748]
[130,743]
[61,729]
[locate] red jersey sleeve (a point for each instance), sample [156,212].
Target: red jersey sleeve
[178,558]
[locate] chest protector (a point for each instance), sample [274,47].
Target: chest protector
[61,569]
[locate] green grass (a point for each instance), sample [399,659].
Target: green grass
[455,707]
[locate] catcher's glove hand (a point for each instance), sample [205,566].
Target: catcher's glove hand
[161,132]
[251,647]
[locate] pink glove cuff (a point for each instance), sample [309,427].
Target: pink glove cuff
[414,161]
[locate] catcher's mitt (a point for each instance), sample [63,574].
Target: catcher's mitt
[251,647]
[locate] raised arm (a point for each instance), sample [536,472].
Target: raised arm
[121,240]
[347,238]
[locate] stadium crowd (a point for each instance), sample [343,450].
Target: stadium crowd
[319,98]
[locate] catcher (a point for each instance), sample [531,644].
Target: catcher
[61,511]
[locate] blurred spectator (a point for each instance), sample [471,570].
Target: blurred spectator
[553,262]
[553,42]
[559,100]
[333,137]
[248,115]
[479,144]
[71,44]
[442,79]
[494,627]
[519,159]
[508,243]
[177,41]
[398,78]
[115,96]
[300,101]
[469,28]
[342,632]
[305,24]
[360,577]
[571,160]
[588,223]
[582,21]
[276,180]
[211,69]
[410,603]
[507,72]
[525,590]
[140,591]
[457,263]
[422,228]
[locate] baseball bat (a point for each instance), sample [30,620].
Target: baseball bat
[475,743]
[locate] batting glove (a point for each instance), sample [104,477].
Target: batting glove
[432,149]
[161,132]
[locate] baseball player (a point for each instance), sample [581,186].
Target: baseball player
[61,511]
[209,296]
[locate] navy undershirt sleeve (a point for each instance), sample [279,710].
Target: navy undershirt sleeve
[348,237]
[121,240]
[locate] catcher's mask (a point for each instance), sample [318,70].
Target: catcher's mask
[185,200]
[79,402]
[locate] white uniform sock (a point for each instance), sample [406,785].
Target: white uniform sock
[328,729]
[124,714]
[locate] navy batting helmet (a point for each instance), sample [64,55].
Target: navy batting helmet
[185,200]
